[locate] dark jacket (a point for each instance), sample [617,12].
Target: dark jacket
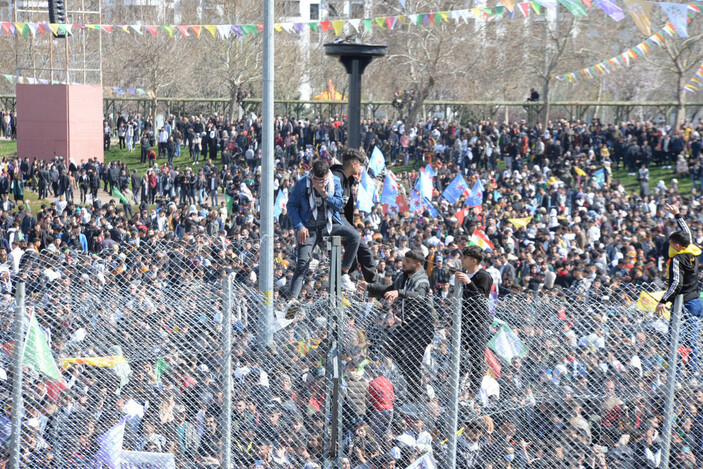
[415,297]
[683,271]
[348,195]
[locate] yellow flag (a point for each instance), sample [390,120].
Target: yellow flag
[277,27]
[445,16]
[338,26]
[104,362]
[647,303]
[212,29]
[520,222]
[54,27]
[640,12]
[509,4]
[476,12]
[580,172]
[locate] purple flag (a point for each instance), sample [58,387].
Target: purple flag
[298,27]
[611,9]
[237,29]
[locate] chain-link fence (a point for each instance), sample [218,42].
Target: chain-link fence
[151,355]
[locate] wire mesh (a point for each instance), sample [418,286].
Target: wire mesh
[558,378]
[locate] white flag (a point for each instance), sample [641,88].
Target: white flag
[110,445]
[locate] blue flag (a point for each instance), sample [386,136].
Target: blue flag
[416,202]
[363,200]
[281,200]
[476,196]
[377,162]
[430,208]
[497,196]
[424,185]
[430,172]
[455,189]
[390,190]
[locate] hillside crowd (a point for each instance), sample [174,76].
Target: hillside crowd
[140,277]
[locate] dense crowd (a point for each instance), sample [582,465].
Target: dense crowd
[146,280]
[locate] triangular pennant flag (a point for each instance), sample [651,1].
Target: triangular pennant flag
[20,27]
[152,29]
[640,12]
[390,21]
[368,24]
[183,29]
[587,3]
[524,8]
[276,27]
[412,19]
[380,20]
[107,28]
[676,12]
[575,7]
[169,29]
[338,26]
[287,27]
[402,19]
[509,4]
[326,26]
[248,28]
[536,7]
[313,26]
[196,30]
[444,15]
[33,27]
[611,9]
[355,24]
[9,78]
[499,11]
[54,28]
[137,28]
[212,30]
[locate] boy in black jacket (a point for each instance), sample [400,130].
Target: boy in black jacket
[683,280]
[475,319]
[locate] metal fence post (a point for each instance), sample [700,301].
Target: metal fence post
[227,369]
[455,370]
[333,437]
[674,331]
[17,404]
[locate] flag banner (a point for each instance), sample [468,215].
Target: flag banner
[389,193]
[580,171]
[677,14]
[116,193]
[430,172]
[377,163]
[611,9]
[37,354]
[424,185]
[640,11]
[281,201]
[505,343]
[103,362]
[434,213]
[480,239]
[455,189]
[600,176]
[475,198]
[426,461]
[144,460]
[364,201]
[520,222]
[416,203]
[647,303]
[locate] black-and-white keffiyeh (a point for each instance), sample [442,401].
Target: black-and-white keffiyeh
[313,203]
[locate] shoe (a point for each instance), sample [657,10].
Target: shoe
[346,283]
[293,309]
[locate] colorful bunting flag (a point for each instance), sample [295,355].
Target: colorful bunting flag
[677,14]
[640,10]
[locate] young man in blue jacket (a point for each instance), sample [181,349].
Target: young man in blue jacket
[315,210]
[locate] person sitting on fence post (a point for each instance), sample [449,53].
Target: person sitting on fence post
[315,210]
[683,280]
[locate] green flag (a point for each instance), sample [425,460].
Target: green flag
[37,353]
[118,194]
[230,204]
[505,343]
[160,368]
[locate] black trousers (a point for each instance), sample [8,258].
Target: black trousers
[474,337]
[406,346]
[363,259]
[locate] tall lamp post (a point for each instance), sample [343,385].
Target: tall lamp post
[355,58]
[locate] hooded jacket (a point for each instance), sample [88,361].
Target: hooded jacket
[683,269]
